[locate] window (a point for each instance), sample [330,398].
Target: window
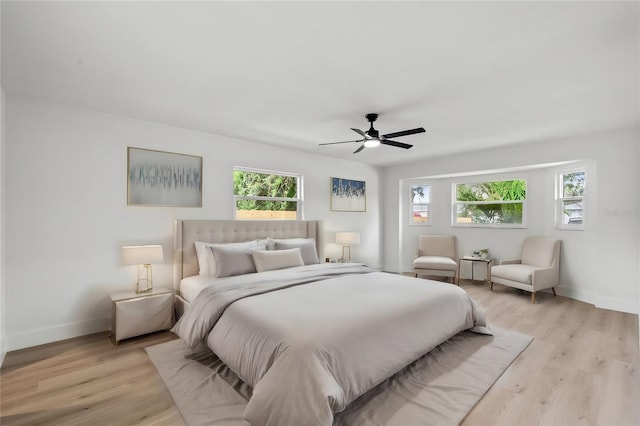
[497,203]
[260,194]
[571,192]
[420,195]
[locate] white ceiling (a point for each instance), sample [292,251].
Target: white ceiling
[296,74]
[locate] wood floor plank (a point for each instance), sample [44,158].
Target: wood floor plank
[582,368]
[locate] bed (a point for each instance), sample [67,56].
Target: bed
[309,338]
[187,232]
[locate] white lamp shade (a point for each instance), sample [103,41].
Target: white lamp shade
[142,255]
[347,238]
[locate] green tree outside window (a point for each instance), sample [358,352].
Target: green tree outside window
[496,202]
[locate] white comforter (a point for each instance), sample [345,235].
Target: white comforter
[310,340]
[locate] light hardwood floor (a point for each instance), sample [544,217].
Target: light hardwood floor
[580,369]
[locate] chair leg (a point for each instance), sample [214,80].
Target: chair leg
[491,286]
[553,289]
[533,297]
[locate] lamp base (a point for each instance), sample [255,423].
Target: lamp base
[348,258]
[145,283]
[140,290]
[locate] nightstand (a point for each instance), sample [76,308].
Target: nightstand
[135,314]
[473,260]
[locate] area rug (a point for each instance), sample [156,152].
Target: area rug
[438,389]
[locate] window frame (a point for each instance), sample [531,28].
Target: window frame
[561,199]
[297,199]
[412,204]
[455,203]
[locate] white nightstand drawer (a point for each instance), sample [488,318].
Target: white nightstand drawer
[142,315]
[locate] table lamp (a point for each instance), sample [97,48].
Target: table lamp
[143,256]
[346,239]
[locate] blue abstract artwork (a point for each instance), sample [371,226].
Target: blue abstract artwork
[348,195]
[158,178]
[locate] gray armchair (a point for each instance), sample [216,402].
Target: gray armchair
[436,257]
[537,269]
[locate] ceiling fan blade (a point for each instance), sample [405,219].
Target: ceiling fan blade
[359,149]
[360,132]
[404,133]
[394,143]
[334,143]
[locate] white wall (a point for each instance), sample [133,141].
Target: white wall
[3,345]
[3,341]
[67,217]
[599,264]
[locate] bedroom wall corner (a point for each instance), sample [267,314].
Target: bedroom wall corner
[3,346]
[3,339]
[611,234]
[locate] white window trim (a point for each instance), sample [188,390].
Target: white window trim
[560,201]
[411,204]
[298,199]
[454,205]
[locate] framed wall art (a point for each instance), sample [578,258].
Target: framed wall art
[348,195]
[158,178]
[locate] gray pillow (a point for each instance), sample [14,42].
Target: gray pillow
[232,260]
[267,260]
[206,261]
[307,248]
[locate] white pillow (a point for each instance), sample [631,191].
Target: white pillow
[277,259]
[203,254]
[232,259]
[307,248]
[206,262]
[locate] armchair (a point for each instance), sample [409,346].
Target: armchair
[436,257]
[537,269]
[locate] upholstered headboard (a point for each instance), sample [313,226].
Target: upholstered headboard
[186,232]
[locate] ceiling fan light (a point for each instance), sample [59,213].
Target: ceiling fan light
[372,143]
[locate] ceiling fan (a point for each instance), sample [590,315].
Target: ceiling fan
[372,137]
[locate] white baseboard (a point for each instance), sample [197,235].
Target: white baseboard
[577,294]
[599,301]
[620,305]
[45,335]
[3,349]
